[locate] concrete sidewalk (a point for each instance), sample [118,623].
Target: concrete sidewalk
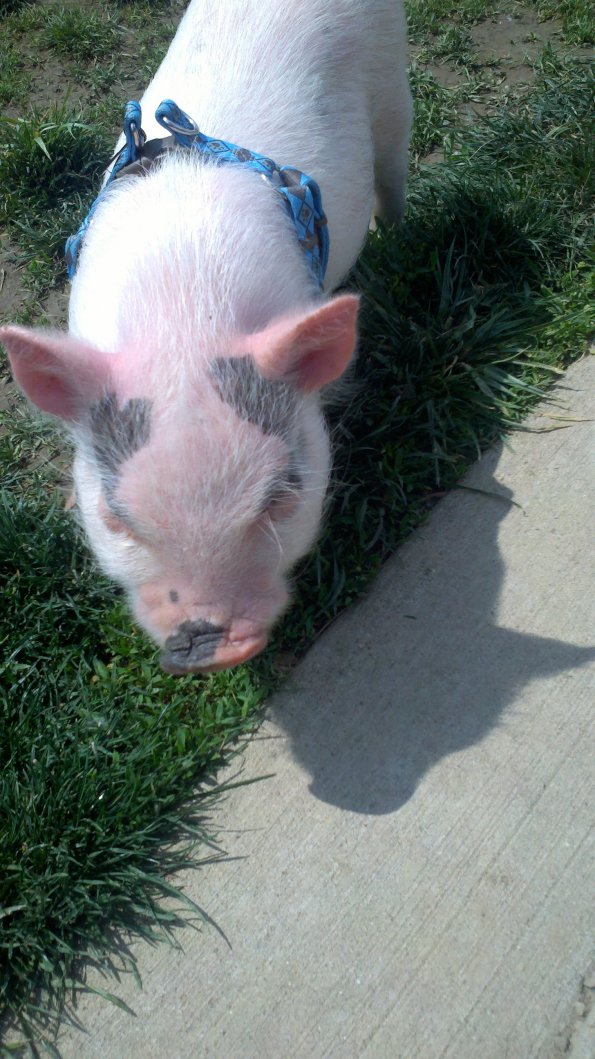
[418,877]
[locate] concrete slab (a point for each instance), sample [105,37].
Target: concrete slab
[419,874]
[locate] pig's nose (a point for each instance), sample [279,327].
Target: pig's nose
[191,647]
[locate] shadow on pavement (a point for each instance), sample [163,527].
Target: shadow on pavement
[420,668]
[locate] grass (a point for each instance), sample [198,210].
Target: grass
[434,18]
[100,754]
[426,18]
[578,19]
[50,163]
[473,294]
[82,34]
[453,45]
[435,110]
[106,763]
[13,84]
[7,7]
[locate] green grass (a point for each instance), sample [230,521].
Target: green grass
[426,18]
[106,763]
[469,312]
[435,111]
[7,7]
[453,45]
[82,34]
[50,164]
[14,83]
[100,754]
[21,17]
[578,18]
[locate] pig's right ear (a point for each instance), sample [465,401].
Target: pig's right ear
[312,349]
[57,372]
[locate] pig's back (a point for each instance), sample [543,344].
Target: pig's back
[293,81]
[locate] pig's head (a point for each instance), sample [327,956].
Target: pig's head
[199,494]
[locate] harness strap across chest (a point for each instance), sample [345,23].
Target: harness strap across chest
[298,193]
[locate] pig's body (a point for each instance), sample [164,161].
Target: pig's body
[200,340]
[320,85]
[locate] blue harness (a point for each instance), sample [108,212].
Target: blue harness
[299,193]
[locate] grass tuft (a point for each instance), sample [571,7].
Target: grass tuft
[435,112]
[7,7]
[578,18]
[50,164]
[426,18]
[81,34]
[14,82]
[453,45]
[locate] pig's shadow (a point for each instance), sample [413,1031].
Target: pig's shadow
[418,673]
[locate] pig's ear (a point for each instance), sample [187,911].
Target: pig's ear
[311,350]
[60,374]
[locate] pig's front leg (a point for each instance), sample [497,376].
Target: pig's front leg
[391,131]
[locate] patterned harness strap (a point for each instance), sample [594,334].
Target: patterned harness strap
[299,193]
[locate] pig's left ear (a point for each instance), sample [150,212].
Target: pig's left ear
[311,350]
[60,374]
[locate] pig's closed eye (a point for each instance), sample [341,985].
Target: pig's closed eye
[283,506]
[281,497]
[115,524]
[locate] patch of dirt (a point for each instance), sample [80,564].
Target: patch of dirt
[503,49]
[7,395]
[446,76]
[53,83]
[510,45]
[55,306]
[513,40]
[15,299]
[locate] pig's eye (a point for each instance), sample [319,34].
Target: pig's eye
[283,506]
[281,498]
[115,524]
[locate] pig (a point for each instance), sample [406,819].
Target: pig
[201,341]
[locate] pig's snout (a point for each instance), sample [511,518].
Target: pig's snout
[197,642]
[200,647]
[191,646]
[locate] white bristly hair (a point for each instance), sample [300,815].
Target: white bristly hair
[180,265]
[180,261]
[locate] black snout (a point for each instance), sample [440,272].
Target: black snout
[191,647]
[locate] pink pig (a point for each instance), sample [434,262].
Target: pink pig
[199,338]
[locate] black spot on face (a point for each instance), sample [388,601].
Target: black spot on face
[293,477]
[173,595]
[119,432]
[116,434]
[269,404]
